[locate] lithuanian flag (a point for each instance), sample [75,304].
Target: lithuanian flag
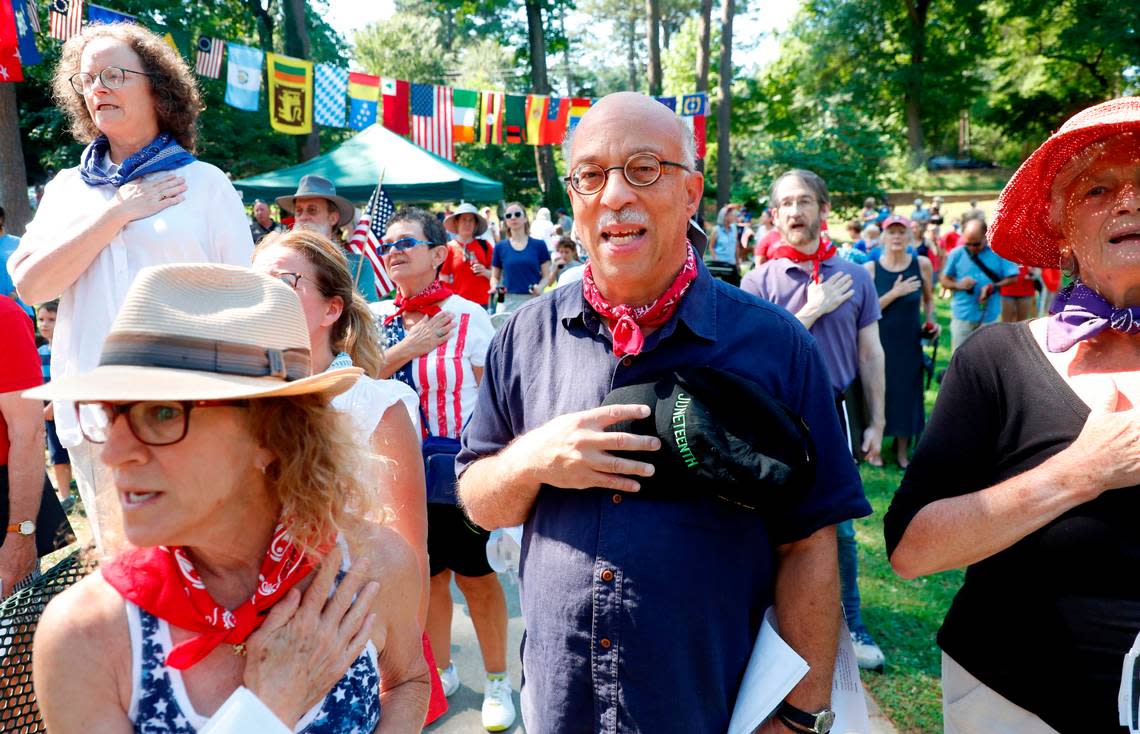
[290,94]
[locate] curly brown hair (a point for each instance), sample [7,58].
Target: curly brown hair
[177,100]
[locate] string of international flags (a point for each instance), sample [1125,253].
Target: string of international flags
[302,93]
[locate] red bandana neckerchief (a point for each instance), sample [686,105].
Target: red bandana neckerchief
[626,321]
[162,581]
[825,251]
[425,302]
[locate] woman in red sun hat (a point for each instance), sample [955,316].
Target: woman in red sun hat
[1028,473]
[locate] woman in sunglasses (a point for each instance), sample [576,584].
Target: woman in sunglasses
[443,362]
[259,581]
[521,263]
[138,197]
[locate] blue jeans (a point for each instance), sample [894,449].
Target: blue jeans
[849,575]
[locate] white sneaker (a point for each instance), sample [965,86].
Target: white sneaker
[867,651]
[450,679]
[498,706]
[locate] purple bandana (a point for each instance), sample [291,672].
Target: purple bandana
[1080,313]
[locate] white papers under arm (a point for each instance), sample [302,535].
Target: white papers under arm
[773,671]
[1128,699]
[847,698]
[244,712]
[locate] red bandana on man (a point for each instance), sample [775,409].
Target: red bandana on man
[163,582]
[426,301]
[626,321]
[825,251]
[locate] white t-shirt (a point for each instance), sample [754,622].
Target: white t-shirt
[444,378]
[368,399]
[209,226]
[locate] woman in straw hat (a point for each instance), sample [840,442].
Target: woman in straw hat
[1028,471]
[230,469]
[467,269]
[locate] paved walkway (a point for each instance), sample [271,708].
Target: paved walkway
[463,715]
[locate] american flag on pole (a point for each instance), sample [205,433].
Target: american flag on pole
[34,15]
[66,18]
[210,51]
[369,231]
[431,119]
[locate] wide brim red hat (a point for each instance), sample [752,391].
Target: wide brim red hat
[1022,230]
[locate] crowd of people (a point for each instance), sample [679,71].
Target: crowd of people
[284,470]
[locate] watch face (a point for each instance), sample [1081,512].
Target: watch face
[824,720]
[27,527]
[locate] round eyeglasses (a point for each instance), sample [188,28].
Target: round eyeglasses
[153,422]
[113,77]
[642,169]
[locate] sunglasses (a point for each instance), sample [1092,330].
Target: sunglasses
[512,215]
[404,244]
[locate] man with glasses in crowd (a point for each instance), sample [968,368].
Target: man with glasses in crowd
[641,612]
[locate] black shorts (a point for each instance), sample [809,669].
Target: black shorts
[455,543]
[56,450]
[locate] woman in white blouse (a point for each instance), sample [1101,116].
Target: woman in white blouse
[139,197]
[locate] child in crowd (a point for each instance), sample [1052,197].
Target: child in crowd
[57,455]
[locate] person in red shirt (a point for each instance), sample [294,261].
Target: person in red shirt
[1019,299]
[467,269]
[21,446]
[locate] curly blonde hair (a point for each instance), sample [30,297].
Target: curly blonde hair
[315,471]
[355,331]
[177,100]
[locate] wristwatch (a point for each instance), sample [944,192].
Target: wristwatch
[27,527]
[818,723]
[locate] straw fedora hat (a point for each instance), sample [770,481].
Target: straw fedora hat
[465,208]
[318,187]
[203,332]
[1021,230]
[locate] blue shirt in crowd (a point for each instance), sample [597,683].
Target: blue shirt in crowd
[640,613]
[8,245]
[964,305]
[724,247]
[521,268]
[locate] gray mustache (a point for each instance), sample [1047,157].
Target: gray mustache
[623,216]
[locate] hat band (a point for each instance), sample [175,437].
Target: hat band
[204,355]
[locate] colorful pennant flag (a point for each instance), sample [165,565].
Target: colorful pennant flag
[243,77]
[332,86]
[696,124]
[432,119]
[106,16]
[670,102]
[694,104]
[535,114]
[554,126]
[465,104]
[363,91]
[514,118]
[396,93]
[210,51]
[578,107]
[10,68]
[290,94]
[177,39]
[27,26]
[65,18]
[491,117]
[368,234]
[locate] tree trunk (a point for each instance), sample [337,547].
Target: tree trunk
[543,155]
[912,90]
[724,109]
[704,24]
[631,50]
[13,175]
[566,52]
[653,25]
[297,45]
[264,16]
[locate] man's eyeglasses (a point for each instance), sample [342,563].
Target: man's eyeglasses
[403,245]
[290,279]
[642,169]
[154,423]
[803,202]
[113,77]
[512,215]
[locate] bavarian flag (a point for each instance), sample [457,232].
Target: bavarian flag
[290,94]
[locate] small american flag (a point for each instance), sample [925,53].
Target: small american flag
[34,15]
[369,231]
[210,52]
[431,119]
[66,18]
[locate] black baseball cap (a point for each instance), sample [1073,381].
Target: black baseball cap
[721,434]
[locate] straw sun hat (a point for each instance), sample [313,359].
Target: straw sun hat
[1021,229]
[450,224]
[203,332]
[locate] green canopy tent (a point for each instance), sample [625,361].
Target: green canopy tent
[410,173]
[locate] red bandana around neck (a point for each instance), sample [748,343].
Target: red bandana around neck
[626,321]
[825,251]
[425,302]
[164,582]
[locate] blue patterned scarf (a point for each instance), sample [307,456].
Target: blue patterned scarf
[160,154]
[340,362]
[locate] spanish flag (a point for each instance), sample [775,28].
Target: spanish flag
[535,114]
[290,94]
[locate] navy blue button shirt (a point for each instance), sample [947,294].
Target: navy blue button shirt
[640,614]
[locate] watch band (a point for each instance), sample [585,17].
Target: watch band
[804,721]
[16,528]
[792,725]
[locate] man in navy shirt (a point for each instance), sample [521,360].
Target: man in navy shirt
[640,613]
